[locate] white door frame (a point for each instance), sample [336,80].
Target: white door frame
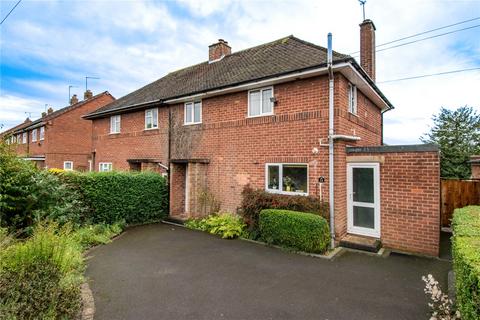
[375,232]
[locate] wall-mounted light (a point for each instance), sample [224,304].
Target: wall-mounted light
[273,100]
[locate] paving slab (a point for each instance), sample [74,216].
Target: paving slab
[165,272]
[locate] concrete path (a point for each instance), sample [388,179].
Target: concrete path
[165,272]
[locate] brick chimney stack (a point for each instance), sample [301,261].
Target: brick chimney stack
[218,50]
[73,99]
[367,47]
[49,110]
[87,95]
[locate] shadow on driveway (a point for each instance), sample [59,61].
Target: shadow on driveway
[165,272]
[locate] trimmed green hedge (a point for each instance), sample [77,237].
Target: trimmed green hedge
[466,260]
[298,230]
[121,196]
[256,200]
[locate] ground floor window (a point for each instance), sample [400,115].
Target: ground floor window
[105,166]
[288,178]
[68,165]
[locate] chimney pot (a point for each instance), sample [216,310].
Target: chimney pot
[49,110]
[88,95]
[73,99]
[218,50]
[44,114]
[367,47]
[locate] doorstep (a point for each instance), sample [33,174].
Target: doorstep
[361,243]
[174,220]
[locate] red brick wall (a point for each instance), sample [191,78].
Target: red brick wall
[239,147]
[410,201]
[69,137]
[133,141]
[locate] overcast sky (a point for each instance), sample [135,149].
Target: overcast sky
[48,45]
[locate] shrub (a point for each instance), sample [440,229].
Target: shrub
[121,196]
[298,230]
[226,225]
[466,260]
[93,235]
[40,278]
[28,195]
[254,201]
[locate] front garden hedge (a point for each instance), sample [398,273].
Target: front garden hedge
[256,200]
[297,230]
[466,260]
[121,196]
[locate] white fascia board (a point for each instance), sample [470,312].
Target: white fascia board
[345,68]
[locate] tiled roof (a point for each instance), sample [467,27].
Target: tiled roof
[267,60]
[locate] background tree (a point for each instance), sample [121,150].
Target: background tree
[457,133]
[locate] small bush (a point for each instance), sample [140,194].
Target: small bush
[40,278]
[93,235]
[226,225]
[121,196]
[298,230]
[29,195]
[466,260]
[254,201]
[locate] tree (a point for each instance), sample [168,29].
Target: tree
[457,133]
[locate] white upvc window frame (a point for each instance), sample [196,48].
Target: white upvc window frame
[352,99]
[262,114]
[65,163]
[24,137]
[42,133]
[153,117]
[280,178]
[193,112]
[101,166]
[34,135]
[114,120]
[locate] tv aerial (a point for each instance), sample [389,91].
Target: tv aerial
[362,3]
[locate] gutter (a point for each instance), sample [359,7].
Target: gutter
[331,174]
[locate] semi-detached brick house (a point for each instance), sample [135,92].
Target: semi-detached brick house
[59,139]
[260,116]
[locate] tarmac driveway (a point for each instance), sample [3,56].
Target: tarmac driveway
[165,272]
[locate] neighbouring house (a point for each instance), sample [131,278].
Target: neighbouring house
[59,139]
[475,165]
[264,116]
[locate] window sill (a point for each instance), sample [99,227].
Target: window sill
[290,193]
[261,115]
[353,114]
[114,133]
[192,123]
[150,129]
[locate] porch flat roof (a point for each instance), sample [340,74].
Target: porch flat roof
[190,161]
[391,149]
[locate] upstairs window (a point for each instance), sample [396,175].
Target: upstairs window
[193,112]
[115,124]
[68,165]
[42,133]
[352,98]
[24,137]
[287,178]
[34,135]
[151,118]
[260,102]
[19,138]
[105,166]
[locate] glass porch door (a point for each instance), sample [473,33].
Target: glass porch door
[363,192]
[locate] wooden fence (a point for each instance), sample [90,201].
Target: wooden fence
[457,194]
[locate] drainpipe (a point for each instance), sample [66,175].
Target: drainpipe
[331,176]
